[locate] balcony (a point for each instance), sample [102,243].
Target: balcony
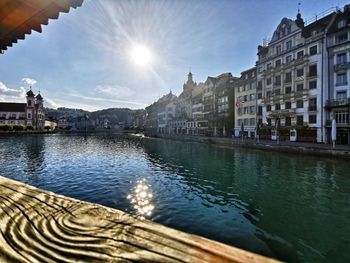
[339,124]
[337,103]
[341,66]
[344,83]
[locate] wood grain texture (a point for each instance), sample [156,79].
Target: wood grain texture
[40,226]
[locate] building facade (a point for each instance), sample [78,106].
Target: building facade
[291,71]
[30,113]
[338,102]
[245,104]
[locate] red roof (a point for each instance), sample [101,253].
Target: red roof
[12,107]
[20,17]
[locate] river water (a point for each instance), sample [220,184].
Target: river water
[291,207]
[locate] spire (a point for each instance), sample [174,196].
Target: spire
[189,79]
[299,21]
[30,93]
[38,97]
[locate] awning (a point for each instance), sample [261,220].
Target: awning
[20,17]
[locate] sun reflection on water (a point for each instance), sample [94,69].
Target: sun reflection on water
[141,199]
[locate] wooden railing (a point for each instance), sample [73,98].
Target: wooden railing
[40,226]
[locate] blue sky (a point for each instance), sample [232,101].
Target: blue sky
[82,60]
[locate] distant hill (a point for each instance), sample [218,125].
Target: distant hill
[113,117]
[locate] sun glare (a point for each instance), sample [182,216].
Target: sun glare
[141,55]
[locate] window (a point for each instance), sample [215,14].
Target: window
[278,50]
[259,110]
[251,97]
[288,121]
[288,77]
[300,72]
[341,79]
[29,103]
[278,63]
[288,90]
[313,84]
[277,92]
[300,87]
[277,106]
[341,38]
[260,85]
[289,44]
[300,120]
[278,80]
[260,69]
[268,108]
[341,95]
[252,122]
[252,110]
[268,121]
[341,58]
[313,104]
[300,54]
[288,58]
[268,81]
[29,116]
[312,119]
[288,105]
[341,23]
[313,70]
[300,104]
[268,93]
[313,50]
[268,66]
[342,116]
[259,96]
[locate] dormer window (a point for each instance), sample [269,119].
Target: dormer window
[341,23]
[29,103]
[288,30]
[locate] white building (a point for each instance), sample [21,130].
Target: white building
[30,113]
[338,92]
[291,73]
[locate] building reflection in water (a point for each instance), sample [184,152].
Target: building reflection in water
[34,149]
[141,199]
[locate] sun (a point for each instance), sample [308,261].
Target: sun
[141,55]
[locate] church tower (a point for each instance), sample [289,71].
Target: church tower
[30,107]
[39,110]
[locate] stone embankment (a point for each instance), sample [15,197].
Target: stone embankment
[316,149]
[40,226]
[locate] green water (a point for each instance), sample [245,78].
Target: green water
[291,207]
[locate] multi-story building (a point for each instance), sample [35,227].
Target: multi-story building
[338,103]
[245,104]
[224,104]
[30,113]
[291,72]
[184,101]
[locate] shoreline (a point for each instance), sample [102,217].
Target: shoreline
[323,150]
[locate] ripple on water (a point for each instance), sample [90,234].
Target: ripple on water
[295,208]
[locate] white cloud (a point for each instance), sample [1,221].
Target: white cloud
[114,91]
[29,81]
[12,95]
